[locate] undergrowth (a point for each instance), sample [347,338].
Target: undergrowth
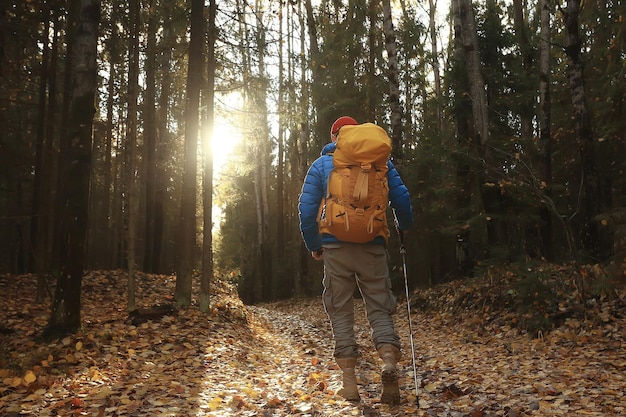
[534,298]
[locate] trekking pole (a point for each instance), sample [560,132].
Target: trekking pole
[408,302]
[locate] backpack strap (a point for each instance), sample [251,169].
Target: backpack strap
[362,182]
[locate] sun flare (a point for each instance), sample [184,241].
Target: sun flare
[223,142]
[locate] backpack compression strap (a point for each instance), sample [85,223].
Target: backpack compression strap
[361,186]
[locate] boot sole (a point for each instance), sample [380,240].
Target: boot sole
[391,389]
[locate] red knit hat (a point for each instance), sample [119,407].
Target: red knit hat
[342,121]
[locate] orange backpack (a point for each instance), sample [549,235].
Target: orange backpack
[354,208]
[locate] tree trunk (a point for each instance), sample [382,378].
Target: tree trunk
[49,168]
[131,150]
[591,200]
[150,140]
[545,132]
[526,52]
[372,39]
[280,176]
[115,177]
[466,180]
[42,206]
[316,62]
[304,84]
[262,133]
[3,33]
[65,315]
[300,150]
[58,240]
[109,243]
[483,199]
[432,9]
[478,97]
[34,256]
[394,84]
[619,246]
[162,149]
[118,243]
[187,237]
[304,281]
[207,203]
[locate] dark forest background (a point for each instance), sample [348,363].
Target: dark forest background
[507,119]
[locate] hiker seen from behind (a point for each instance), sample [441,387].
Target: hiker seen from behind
[342,207]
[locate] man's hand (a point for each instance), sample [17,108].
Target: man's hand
[318,255]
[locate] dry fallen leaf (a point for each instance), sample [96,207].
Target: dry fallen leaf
[274,402]
[29,377]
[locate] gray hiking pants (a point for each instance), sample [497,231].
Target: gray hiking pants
[365,266]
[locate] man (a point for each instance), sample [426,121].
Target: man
[348,265]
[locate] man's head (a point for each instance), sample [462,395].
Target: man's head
[342,121]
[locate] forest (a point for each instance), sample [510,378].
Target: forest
[172,137]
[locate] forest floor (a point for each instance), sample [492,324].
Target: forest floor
[479,352]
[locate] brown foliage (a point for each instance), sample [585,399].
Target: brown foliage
[276,360]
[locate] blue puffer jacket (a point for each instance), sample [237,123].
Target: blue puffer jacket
[313,191]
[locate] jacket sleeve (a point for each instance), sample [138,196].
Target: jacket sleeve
[399,198]
[309,203]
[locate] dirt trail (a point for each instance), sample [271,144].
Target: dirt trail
[464,372]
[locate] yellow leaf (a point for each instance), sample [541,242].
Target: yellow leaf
[251,393]
[79,345]
[94,374]
[215,403]
[30,377]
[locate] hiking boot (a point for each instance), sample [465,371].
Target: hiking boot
[391,390]
[350,390]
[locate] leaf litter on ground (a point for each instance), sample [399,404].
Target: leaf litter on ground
[478,353]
